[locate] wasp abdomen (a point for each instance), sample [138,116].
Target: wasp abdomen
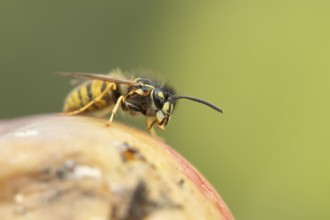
[88,92]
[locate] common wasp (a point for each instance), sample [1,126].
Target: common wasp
[136,96]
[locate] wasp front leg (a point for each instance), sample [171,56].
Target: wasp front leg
[122,100]
[150,123]
[140,92]
[114,110]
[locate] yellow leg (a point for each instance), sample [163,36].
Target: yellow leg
[120,100]
[98,98]
[133,92]
[114,110]
[150,124]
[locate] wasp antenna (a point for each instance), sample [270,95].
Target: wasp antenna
[200,101]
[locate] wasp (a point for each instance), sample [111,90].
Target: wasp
[136,96]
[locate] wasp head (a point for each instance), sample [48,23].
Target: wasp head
[163,99]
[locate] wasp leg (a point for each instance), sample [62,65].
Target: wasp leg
[98,98]
[150,123]
[114,110]
[122,99]
[136,91]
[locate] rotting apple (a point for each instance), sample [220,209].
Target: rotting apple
[55,167]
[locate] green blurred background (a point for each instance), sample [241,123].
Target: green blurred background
[266,63]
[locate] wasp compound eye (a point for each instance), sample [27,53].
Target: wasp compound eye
[158,97]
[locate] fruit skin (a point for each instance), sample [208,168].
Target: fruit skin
[129,173]
[204,186]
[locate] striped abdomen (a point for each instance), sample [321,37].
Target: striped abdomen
[87,92]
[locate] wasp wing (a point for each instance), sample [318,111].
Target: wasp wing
[94,76]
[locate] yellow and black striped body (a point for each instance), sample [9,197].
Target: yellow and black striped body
[136,96]
[89,91]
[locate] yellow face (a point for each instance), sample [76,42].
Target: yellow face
[163,115]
